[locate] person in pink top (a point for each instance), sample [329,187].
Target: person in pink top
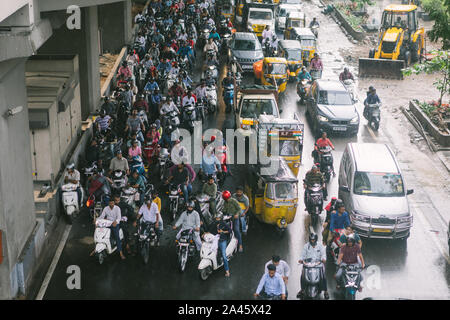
[124,71]
[134,150]
[316,63]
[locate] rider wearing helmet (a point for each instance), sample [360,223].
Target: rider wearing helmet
[314,176]
[348,255]
[103,121]
[316,252]
[372,98]
[190,219]
[108,106]
[221,228]
[232,208]
[346,75]
[214,35]
[228,80]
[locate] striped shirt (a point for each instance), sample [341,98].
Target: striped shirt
[103,122]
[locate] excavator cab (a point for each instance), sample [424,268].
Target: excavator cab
[400,42]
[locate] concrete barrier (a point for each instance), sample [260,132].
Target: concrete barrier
[358,35]
[441,138]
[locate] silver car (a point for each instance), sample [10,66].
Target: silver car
[374,193]
[247,50]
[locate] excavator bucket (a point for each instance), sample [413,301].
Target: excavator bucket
[381,68]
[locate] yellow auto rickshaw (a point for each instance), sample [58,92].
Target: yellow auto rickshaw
[226,9]
[273,197]
[307,42]
[291,50]
[272,71]
[294,19]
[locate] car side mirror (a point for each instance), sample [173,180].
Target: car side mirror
[344,189]
[409,191]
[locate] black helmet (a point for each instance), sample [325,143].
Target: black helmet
[106,98]
[372,89]
[339,204]
[313,238]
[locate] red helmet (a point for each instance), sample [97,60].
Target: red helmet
[226,195]
[213,138]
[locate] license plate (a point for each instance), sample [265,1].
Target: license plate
[382,230]
[340,128]
[247,67]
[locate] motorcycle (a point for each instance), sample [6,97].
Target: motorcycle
[105,243]
[212,72]
[137,164]
[171,118]
[189,116]
[314,202]
[302,89]
[201,109]
[269,50]
[95,206]
[147,238]
[185,248]
[373,115]
[130,195]
[228,97]
[175,200]
[211,96]
[163,162]
[349,84]
[70,200]
[352,281]
[315,74]
[312,272]
[150,151]
[211,258]
[326,162]
[119,181]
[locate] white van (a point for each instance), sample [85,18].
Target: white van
[373,190]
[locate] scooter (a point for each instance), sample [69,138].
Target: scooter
[213,72]
[130,196]
[211,259]
[104,241]
[314,202]
[326,162]
[228,97]
[373,115]
[201,109]
[146,238]
[70,200]
[211,96]
[119,181]
[189,116]
[352,281]
[185,248]
[312,271]
[302,89]
[163,162]
[136,163]
[171,118]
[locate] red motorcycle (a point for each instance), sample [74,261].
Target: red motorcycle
[150,151]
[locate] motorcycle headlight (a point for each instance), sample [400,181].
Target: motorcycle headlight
[322,118]
[354,120]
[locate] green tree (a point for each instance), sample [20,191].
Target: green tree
[439,64]
[439,11]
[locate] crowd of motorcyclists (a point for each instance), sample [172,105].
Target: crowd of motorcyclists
[133,159]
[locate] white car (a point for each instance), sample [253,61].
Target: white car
[281,13]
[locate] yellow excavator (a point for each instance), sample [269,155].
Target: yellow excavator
[400,43]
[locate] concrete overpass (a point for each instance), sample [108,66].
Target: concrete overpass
[27,28]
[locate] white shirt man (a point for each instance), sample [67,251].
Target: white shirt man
[111,214]
[149,212]
[282,267]
[188,100]
[74,175]
[168,106]
[267,33]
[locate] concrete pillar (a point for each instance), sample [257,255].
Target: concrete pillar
[17,216]
[115,23]
[85,43]
[89,61]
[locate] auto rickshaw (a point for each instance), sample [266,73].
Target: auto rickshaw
[294,19]
[273,198]
[226,9]
[272,71]
[307,41]
[291,50]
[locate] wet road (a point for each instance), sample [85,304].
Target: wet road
[418,271]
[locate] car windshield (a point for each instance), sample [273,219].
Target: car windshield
[282,191]
[289,148]
[378,184]
[276,68]
[245,45]
[334,98]
[308,42]
[294,54]
[252,108]
[291,1]
[260,15]
[282,12]
[296,23]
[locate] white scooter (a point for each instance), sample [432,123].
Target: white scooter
[105,243]
[70,200]
[209,254]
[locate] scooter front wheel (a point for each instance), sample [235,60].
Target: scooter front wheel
[204,273]
[100,257]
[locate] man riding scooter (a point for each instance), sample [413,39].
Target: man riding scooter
[316,252]
[372,98]
[321,143]
[312,177]
[272,283]
[349,255]
[72,175]
[232,208]
[190,219]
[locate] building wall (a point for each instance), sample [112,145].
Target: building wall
[17,217]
